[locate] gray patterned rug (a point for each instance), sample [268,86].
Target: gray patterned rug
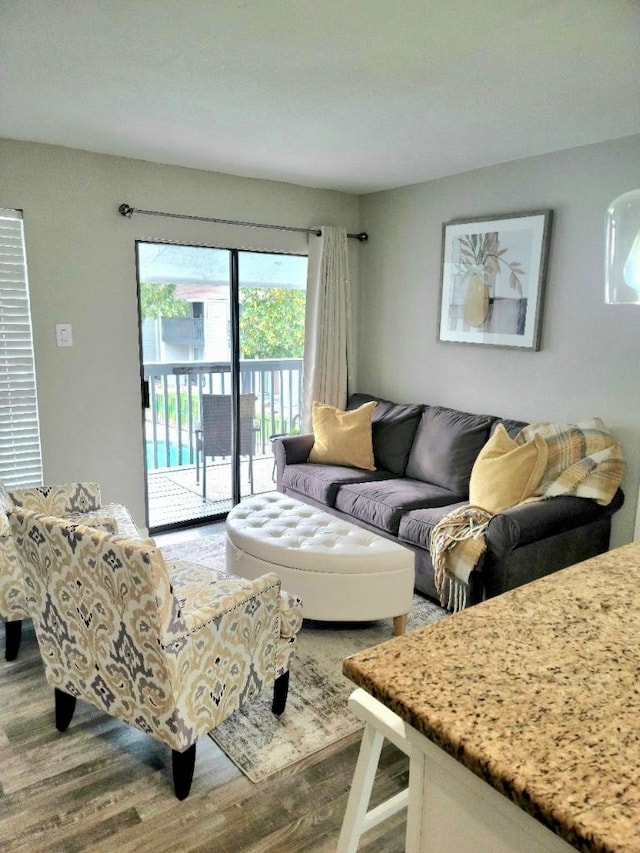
[317,714]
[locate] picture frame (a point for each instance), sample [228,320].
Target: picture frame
[494,272]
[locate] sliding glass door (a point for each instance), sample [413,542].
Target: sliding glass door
[221,342]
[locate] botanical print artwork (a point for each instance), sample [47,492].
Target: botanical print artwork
[481,260]
[483,251]
[492,278]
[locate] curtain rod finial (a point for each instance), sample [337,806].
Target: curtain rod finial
[362,236]
[125,210]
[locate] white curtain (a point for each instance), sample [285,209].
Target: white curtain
[327,344]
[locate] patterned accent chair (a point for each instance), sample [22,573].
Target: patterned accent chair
[172,649]
[79,501]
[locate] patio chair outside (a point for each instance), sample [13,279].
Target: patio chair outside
[214,435]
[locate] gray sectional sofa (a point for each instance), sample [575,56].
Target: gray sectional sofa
[424,455]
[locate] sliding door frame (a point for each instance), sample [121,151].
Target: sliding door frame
[234,366]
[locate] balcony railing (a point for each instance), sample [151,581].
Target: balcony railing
[174,403]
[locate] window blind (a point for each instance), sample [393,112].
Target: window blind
[20,455]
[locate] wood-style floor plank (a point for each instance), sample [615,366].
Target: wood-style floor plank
[102,786]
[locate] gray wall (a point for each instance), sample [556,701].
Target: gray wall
[81,260]
[589,362]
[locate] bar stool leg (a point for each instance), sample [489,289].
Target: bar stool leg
[365,773]
[380,723]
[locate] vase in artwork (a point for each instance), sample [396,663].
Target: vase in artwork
[476,302]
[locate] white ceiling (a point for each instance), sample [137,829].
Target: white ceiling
[354,95]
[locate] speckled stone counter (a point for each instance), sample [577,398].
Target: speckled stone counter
[537,692]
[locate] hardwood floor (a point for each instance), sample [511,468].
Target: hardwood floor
[103,786]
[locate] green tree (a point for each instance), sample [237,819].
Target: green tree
[271,322]
[158,300]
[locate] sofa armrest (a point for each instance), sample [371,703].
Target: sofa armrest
[290,615]
[291,450]
[238,593]
[202,594]
[126,524]
[531,522]
[99,520]
[13,604]
[229,652]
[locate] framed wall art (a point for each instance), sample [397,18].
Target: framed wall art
[493,278]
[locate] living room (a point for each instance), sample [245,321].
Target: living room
[81,261]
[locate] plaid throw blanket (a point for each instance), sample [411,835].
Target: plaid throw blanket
[583,460]
[457,544]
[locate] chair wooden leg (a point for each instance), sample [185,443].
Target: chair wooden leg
[183,765]
[65,706]
[280,692]
[13,636]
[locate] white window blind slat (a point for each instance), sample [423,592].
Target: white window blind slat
[20,453]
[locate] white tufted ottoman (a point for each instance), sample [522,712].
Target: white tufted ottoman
[341,572]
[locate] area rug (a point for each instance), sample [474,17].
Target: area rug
[317,714]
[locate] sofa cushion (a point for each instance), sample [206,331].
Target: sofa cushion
[446,446]
[506,473]
[321,482]
[393,427]
[343,438]
[383,504]
[416,526]
[512,427]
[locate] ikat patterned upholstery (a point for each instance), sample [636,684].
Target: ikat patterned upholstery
[76,501]
[171,648]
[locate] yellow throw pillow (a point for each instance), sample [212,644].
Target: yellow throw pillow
[506,473]
[343,438]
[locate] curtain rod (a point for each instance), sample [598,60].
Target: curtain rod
[128,211]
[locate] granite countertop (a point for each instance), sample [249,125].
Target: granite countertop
[536,691]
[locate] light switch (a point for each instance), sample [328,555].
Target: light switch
[64,337]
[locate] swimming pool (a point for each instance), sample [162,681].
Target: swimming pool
[175,459]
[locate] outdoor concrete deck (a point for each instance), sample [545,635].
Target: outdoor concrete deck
[175,496]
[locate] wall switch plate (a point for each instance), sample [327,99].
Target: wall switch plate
[64,336]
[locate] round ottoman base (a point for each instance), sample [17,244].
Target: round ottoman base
[380,585]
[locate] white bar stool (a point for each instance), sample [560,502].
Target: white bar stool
[380,723]
[448,806]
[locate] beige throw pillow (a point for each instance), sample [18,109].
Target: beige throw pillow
[343,438]
[506,473]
